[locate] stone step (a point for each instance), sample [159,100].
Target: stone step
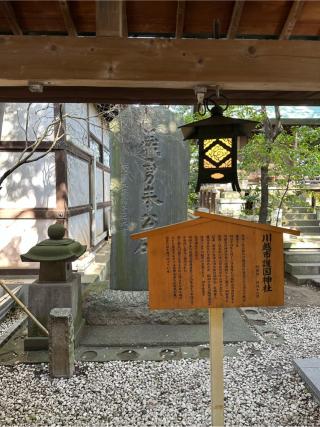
[302,256]
[235,328]
[303,268]
[230,202]
[302,223]
[297,245]
[299,216]
[309,229]
[303,279]
[300,209]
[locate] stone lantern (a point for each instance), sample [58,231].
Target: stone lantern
[57,286]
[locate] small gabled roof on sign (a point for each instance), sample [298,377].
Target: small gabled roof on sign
[208,217]
[245,223]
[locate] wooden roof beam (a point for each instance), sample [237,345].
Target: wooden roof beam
[111,18]
[181,7]
[291,20]
[147,62]
[235,19]
[125,95]
[11,17]
[68,20]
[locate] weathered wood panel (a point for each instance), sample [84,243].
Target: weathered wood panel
[180,63]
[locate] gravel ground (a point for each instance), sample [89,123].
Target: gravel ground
[262,389]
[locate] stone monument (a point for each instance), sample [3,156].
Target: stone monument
[57,286]
[150,171]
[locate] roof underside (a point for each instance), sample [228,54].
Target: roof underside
[202,19]
[237,20]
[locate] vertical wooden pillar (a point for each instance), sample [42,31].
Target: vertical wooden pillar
[62,185]
[93,202]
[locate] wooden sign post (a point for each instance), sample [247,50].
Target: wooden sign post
[216,365]
[215,262]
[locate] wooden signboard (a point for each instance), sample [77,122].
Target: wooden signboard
[215,261]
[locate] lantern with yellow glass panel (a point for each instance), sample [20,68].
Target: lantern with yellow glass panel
[217,139]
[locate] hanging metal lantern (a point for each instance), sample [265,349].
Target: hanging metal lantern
[217,140]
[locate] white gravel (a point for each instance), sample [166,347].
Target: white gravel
[262,388]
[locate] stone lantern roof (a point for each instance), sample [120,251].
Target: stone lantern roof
[56,248]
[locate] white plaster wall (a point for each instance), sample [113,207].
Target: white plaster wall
[99,185]
[76,123]
[78,181]
[107,215]
[31,185]
[95,124]
[99,222]
[106,188]
[17,237]
[14,126]
[79,228]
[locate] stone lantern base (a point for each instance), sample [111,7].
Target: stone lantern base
[42,298]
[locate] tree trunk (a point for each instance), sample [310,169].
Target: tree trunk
[263,214]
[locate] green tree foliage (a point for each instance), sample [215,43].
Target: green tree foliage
[289,156]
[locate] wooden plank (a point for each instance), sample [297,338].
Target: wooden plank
[78,210]
[124,28]
[216,365]
[291,20]
[113,95]
[215,265]
[235,19]
[61,181]
[31,213]
[11,17]
[68,20]
[105,204]
[152,17]
[20,145]
[76,151]
[181,7]
[109,18]
[182,63]
[245,223]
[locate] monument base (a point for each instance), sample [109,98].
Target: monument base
[42,298]
[115,307]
